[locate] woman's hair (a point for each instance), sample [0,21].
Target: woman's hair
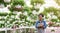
[41,15]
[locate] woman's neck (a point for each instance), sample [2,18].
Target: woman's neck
[40,20]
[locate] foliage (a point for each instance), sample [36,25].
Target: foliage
[37,1]
[54,20]
[16,5]
[16,2]
[5,3]
[27,16]
[57,1]
[3,14]
[52,30]
[52,9]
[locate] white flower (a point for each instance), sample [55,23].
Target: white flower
[37,6]
[8,22]
[58,20]
[54,17]
[26,22]
[3,16]
[18,14]
[8,5]
[1,5]
[57,23]
[15,12]
[1,22]
[30,6]
[7,1]
[16,17]
[18,6]
[14,22]
[25,13]
[12,16]
[4,10]
[10,19]
[21,24]
[34,12]
[28,18]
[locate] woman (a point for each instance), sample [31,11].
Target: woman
[40,24]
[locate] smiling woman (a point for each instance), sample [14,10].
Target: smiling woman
[40,24]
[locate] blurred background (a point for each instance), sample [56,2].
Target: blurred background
[24,13]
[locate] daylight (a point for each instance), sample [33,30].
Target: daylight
[29,16]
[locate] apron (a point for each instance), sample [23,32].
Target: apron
[41,30]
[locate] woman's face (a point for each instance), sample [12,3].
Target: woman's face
[40,17]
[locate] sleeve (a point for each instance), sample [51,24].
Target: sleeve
[45,25]
[36,24]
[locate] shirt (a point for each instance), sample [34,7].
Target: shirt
[43,22]
[40,30]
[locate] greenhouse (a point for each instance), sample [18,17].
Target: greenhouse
[20,16]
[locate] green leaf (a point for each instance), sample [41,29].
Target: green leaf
[21,2]
[37,1]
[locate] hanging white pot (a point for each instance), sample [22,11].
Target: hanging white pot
[1,5]
[7,1]
[18,6]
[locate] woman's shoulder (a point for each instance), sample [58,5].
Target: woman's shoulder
[44,21]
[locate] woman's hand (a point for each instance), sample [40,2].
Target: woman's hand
[41,26]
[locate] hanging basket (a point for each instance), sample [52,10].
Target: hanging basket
[19,8]
[15,8]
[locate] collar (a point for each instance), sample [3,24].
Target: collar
[39,21]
